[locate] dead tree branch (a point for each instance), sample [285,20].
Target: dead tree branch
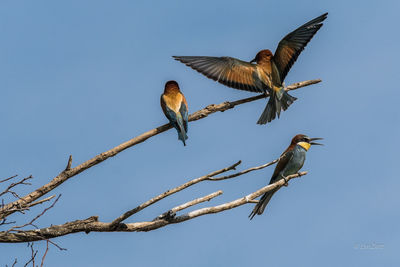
[69,172]
[92,224]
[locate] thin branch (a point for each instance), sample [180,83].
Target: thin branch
[242,172]
[55,244]
[4,222]
[129,213]
[9,178]
[45,253]
[68,173]
[12,185]
[33,256]
[40,201]
[27,207]
[15,262]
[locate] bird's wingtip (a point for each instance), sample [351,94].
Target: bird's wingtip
[324,16]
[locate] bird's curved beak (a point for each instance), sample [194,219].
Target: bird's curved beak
[253,60]
[315,143]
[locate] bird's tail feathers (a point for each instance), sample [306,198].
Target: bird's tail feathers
[260,206]
[269,112]
[181,130]
[287,100]
[278,101]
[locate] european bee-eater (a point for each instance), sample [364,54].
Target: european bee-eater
[290,162]
[267,75]
[175,108]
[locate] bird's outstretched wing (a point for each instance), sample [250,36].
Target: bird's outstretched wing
[290,47]
[229,71]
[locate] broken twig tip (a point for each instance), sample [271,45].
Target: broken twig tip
[69,163]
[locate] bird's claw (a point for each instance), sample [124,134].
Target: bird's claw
[286,181]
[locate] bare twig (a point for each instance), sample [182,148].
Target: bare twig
[40,201]
[45,253]
[15,262]
[4,222]
[69,163]
[66,174]
[243,172]
[33,255]
[37,217]
[12,185]
[55,244]
[9,178]
[23,209]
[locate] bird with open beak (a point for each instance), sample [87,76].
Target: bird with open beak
[290,162]
[268,72]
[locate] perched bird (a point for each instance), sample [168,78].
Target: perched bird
[290,162]
[267,75]
[175,108]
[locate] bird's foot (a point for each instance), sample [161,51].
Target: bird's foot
[286,181]
[299,174]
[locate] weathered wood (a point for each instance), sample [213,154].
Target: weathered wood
[92,224]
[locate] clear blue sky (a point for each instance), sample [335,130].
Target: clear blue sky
[80,77]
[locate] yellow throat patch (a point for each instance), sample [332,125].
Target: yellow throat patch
[304,145]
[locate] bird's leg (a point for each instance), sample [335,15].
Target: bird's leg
[299,174]
[286,180]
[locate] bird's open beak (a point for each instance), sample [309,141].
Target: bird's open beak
[315,143]
[253,61]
